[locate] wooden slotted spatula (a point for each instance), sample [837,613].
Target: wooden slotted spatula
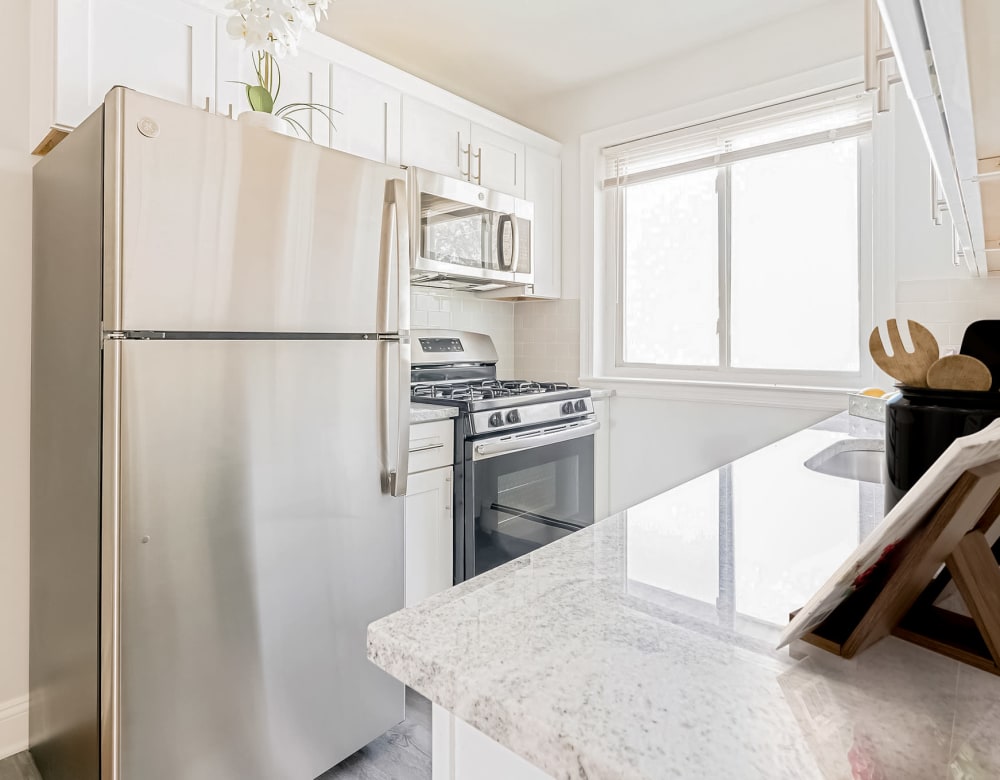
[908,368]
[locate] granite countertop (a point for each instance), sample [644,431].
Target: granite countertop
[643,647]
[421,413]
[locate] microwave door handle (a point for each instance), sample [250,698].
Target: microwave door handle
[502,262]
[515,244]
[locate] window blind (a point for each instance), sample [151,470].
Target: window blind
[830,116]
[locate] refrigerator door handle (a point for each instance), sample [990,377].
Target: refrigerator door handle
[398,476]
[395,213]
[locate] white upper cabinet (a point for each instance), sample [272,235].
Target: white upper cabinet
[305,78]
[497,161]
[543,187]
[435,139]
[80,49]
[948,60]
[368,122]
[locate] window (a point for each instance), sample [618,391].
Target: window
[739,248]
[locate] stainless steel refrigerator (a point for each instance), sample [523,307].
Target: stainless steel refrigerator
[219,427]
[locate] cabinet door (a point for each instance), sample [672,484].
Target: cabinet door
[305,78]
[497,161]
[434,139]
[429,534]
[543,187]
[368,122]
[165,49]
[602,459]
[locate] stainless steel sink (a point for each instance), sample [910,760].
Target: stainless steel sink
[859,459]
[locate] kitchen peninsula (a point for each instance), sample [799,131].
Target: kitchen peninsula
[643,647]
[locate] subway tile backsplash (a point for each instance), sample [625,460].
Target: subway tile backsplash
[547,340]
[534,339]
[430,308]
[947,306]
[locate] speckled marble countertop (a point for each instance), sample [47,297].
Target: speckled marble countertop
[643,646]
[420,413]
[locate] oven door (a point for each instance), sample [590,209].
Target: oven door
[525,490]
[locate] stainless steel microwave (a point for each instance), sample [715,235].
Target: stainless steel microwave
[468,237]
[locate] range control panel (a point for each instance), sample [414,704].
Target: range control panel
[441,345]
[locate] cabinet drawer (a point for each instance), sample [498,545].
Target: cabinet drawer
[431,445]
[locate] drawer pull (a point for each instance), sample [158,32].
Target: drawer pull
[427,447]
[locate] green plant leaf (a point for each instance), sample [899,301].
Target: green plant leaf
[260,99]
[297,127]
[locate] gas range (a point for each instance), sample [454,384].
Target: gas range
[524,450]
[458,368]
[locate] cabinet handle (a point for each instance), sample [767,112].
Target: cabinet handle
[427,447]
[208,104]
[479,164]
[467,150]
[938,204]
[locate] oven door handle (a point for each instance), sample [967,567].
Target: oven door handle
[494,447]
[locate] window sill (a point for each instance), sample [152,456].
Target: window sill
[833,399]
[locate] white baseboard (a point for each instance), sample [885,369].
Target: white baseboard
[13,726]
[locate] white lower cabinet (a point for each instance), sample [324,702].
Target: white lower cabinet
[461,752]
[602,459]
[428,524]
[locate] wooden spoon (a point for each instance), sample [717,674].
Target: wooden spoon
[909,368]
[959,372]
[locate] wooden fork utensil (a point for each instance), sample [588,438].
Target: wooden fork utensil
[908,368]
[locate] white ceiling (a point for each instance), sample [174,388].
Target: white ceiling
[503,53]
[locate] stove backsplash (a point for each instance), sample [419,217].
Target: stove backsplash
[547,340]
[537,340]
[464,311]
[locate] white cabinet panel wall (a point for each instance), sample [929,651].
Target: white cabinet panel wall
[166,49]
[434,139]
[543,187]
[497,161]
[368,122]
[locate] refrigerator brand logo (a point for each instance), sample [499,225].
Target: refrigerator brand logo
[148,127]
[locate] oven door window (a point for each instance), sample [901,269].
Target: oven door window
[455,233]
[524,500]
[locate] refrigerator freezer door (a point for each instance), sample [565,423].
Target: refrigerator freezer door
[218,226]
[257,543]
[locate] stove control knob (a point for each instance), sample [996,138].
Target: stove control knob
[567,408]
[513,416]
[581,406]
[496,419]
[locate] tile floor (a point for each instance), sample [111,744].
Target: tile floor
[402,753]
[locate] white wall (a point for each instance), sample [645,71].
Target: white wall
[15,334]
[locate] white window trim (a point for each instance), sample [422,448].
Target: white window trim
[598,283]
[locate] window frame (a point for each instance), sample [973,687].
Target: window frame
[614,250]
